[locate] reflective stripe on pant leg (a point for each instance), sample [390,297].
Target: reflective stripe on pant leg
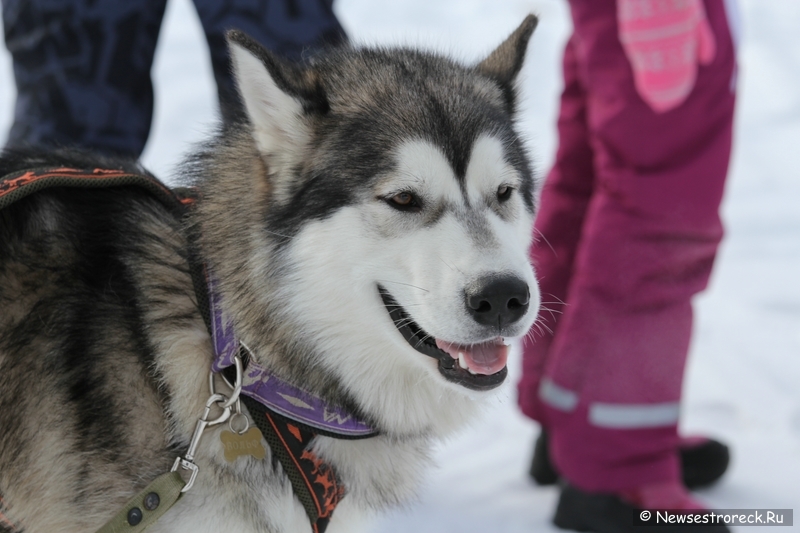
[631,416]
[611,415]
[608,447]
[556,396]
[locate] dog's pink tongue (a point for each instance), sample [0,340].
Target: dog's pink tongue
[485,358]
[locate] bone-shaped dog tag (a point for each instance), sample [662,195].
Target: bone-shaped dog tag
[248,443]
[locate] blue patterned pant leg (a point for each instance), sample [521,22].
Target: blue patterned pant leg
[291,28]
[82,67]
[82,70]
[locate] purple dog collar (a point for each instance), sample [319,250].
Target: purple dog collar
[301,406]
[225,344]
[273,392]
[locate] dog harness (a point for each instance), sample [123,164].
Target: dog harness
[288,417]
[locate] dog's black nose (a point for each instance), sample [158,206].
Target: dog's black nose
[497,300]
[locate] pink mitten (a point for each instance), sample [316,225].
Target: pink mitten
[665,40]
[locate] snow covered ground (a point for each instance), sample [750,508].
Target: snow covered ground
[743,382]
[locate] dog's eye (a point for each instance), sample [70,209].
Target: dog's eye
[405,201]
[504,193]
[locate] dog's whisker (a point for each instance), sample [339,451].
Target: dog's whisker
[544,239]
[423,339]
[552,303]
[398,306]
[558,300]
[403,323]
[401,283]
[551,312]
[543,327]
[451,267]
[448,265]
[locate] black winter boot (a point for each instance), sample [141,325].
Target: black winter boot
[608,513]
[542,470]
[702,462]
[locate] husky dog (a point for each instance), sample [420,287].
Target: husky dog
[367,227]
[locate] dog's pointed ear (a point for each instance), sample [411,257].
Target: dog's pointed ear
[280,98]
[505,62]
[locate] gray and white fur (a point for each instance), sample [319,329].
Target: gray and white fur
[362,170]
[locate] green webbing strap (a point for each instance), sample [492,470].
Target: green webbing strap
[149,505]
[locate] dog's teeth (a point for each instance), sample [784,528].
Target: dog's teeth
[462,361]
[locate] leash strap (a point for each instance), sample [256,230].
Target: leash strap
[314,482]
[149,505]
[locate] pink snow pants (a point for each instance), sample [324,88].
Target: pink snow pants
[626,235]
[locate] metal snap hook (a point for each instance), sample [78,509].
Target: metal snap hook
[237,387]
[226,410]
[187,461]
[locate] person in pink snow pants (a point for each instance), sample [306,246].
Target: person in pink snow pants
[626,235]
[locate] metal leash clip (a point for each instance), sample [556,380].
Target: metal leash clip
[236,387]
[187,461]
